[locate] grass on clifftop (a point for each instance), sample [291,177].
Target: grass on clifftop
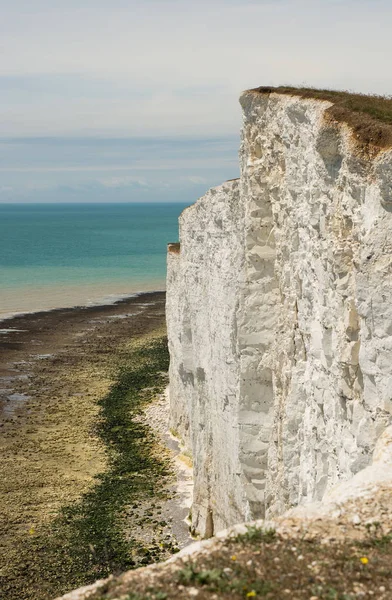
[369,116]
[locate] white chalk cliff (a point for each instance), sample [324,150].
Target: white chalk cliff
[279,312]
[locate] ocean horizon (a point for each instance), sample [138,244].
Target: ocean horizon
[64,255]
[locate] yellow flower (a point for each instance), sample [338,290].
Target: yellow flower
[251,594]
[364,560]
[234,557]
[31,531]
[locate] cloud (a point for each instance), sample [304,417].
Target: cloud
[128,181]
[177,67]
[114,94]
[195,179]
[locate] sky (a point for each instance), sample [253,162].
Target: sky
[137,100]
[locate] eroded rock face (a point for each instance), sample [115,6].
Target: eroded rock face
[279,308]
[202,303]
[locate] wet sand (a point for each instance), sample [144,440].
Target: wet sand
[55,369]
[31,299]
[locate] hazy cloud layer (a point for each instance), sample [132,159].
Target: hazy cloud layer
[113,169]
[126,68]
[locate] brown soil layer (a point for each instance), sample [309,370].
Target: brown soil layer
[57,374]
[174,248]
[370,117]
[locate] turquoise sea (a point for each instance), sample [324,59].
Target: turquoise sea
[61,255]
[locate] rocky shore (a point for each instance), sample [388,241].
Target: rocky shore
[88,486]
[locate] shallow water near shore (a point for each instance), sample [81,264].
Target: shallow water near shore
[88,487]
[58,255]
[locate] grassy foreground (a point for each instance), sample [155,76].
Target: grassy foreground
[264,564]
[94,536]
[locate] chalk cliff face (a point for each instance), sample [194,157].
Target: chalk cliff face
[279,310]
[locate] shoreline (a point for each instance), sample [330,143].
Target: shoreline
[98,303]
[58,373]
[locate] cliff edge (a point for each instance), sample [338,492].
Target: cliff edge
[279,314]
[279,308]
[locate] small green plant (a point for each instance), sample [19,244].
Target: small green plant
[190,574]
[383,542]
[330,593]
[217,580]
[256,535]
